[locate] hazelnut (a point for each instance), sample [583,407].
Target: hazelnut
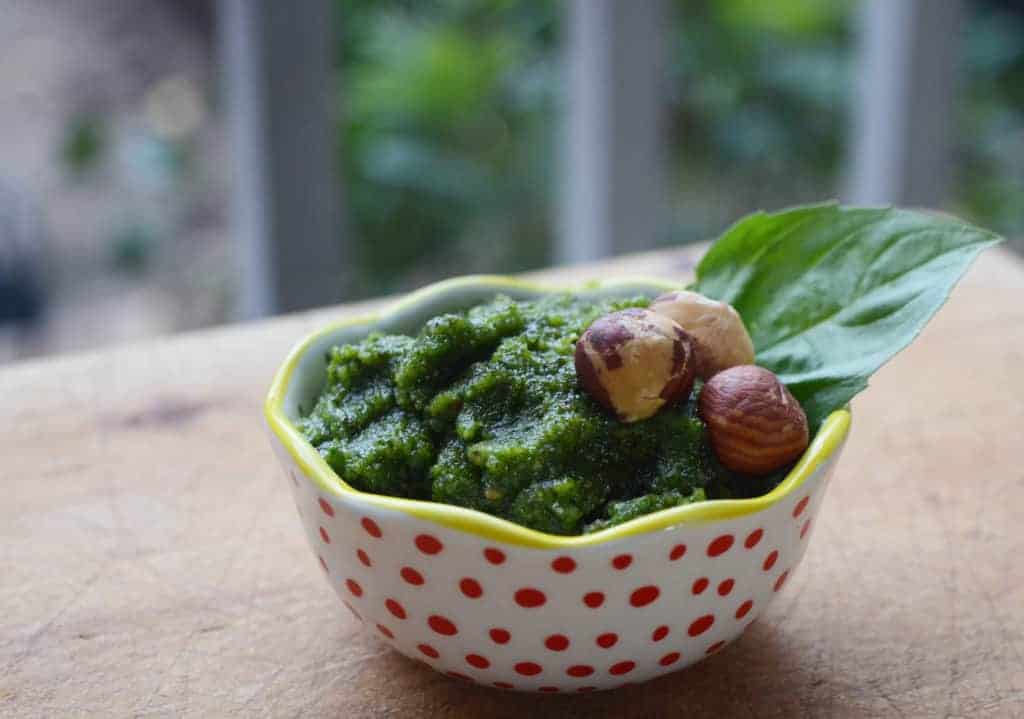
[755,424]
[719,337]
[634,362]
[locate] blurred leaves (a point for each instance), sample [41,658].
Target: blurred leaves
[83,145]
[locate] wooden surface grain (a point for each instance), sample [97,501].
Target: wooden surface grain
[151,563]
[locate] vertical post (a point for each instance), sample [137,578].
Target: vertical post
[285,209]
[903,119]
[615,199]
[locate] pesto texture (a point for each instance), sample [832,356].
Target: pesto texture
[483,409]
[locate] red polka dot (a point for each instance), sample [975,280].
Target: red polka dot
[720,545]
[323,564]
[800,506]
[660,633]
[327,508]
[458,675]
[475,660]
[411,576]
[442,625]
[325,536]
[701,625]
[770,560]
[586,689]
[622,561]
[353,586]
[642,596]
[503,685]
[563,565]
[781,580]
[364,558]
[725,587]
[669,659]
[593,599]
[607,640]
[528,669]
[557,642]
[385,631]
[371,527]
[805,529]
[715,647]
[428,650]
[494,556]
[580,670]
[500,636]
[744,609]
[428,543]
[352,609]
[753,538]
[529,597]
[677,552]
[548,690]
[621,668]
[471,588]
[700,585]
[395,608]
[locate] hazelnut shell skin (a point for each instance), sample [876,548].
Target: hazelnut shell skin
[634,362]
[720,338]
[755,425]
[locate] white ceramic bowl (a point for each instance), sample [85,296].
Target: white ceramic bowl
[486,600]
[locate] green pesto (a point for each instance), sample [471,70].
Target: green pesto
[482,409]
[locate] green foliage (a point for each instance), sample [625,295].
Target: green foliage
[831,293]
[83,145]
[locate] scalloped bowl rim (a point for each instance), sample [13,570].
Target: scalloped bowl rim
[826,442]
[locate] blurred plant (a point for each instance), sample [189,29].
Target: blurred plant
[84,142]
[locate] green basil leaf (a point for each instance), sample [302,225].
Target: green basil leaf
[830,293]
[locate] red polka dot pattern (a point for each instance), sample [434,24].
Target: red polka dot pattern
[607,640]
[593,599]
[471,588]
[500,636]
[528,669]
[725,587]
[753,538]
[622,561]
[353,586]
[557,642]
[428,544]
[396,609]
[364,558]
[529,598]
[494,556]
[701,625]
[660,633]
[564,565]
[325,536]
[720,545]
[744,609]
[411,576]
[677,552]
[781,580]
[503,685]
[371,527]
[385,631]
[669,659]
[800,506]
[580,670]
[442,625]
[428,650]
[477,661]
[642,596]
[770,560]
[700,585]
[621,668]
[804,529]
[715,647]
[325,507]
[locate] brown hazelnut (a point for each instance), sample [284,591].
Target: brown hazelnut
[755,424]
[634,362]
[720,338]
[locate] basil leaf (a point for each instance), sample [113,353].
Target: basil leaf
[830,293]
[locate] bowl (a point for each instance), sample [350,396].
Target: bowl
[485,600]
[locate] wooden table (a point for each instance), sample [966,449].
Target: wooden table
[151,562]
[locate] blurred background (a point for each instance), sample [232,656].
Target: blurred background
[173,164]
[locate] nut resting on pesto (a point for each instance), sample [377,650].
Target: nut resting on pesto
[484,409]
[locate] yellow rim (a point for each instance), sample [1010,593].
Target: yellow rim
[828,439]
